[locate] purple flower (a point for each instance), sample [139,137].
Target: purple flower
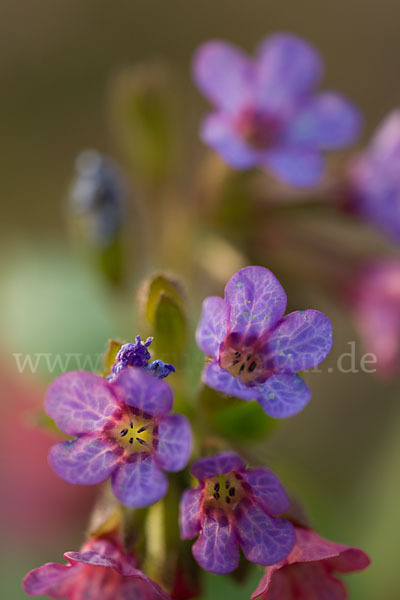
[235,506]
[137,355]
[374,179]
[100,570]
[267,111]
[255,350]
[123,429]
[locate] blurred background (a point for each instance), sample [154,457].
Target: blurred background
[61,66]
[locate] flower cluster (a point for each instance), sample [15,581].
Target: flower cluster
[121,424]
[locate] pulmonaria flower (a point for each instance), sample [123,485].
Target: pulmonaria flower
[309,570]
[255,350]
[97,198]
[267,110]
[100,570]
[374,299]
[123,429]
[374,179]
[235,506]
[137,355]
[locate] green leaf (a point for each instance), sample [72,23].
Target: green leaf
[169,329]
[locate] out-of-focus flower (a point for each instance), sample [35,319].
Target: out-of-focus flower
[123,429]
[137,355]
[100,570]
[308,571]
[255,350]
[235,506]
[374,298]
[374,179]
[97,198]
[268,113]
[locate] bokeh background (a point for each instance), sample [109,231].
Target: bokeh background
[57,62]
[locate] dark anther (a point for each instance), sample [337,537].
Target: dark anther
[237,353]
[241,368]
[235,362]
[131,425]
[248,357]
[227,484]
[141,429]
[252,366]
[123,432]
[232,491]
[227,500]
[216,487]
[216,496]
[141,441]
[131,440]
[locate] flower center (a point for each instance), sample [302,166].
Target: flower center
[258,129]
[134,433]
[223,491]
[244,363]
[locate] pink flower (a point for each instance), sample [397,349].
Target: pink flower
[308,571]
[100,570]
[375,303]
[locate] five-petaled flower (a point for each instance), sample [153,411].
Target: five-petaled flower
[256,351]
[123,429]
[235,506]
[308,571]
[100,570]
[267,111]
[374,299]
[374,179]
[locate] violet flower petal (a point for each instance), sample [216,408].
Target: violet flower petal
[52,579]
[174,443]
[80,402]
[288,69]
[224,382]
[297,166]
[85,460]
[217,549]
[327,122]
[140,483]
[211,329]
[189,513]
[300,341]
[223,72]
[264,540]
[283,395]
[257,301]
[136,387]
[219,132]
[267,490]
[217,464]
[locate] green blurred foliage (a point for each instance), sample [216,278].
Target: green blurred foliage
[144,117]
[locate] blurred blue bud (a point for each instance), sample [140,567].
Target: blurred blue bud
[97,198]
